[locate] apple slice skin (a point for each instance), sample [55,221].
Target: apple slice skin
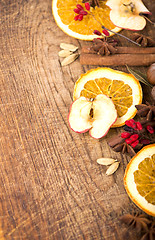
[127,20]
[98,126]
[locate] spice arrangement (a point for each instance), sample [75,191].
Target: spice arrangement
[106,52]
[117,92]
[136,134]
[143,225]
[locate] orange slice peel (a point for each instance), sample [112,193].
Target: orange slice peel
[139,179]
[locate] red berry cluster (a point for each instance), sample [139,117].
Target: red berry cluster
[133,133]
[81,13]
[105,32]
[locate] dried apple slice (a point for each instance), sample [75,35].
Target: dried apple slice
[93,115]
[126,13]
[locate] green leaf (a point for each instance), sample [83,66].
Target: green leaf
[140,76]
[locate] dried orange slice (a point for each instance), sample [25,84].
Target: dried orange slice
[139,179]
[124,90]
[63,12]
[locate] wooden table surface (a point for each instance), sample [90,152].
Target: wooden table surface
[50,184]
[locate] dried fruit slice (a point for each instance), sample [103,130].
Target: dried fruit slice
[139,179]
[123,89]
[96,115]
[126,13]
[63,12]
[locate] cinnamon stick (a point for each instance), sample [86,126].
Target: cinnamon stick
[116,140]
[117,59]
[123,50]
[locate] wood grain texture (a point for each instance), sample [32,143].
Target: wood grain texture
[50,184]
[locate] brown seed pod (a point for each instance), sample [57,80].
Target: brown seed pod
[151,74]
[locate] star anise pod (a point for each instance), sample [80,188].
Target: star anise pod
[124,148]
[146,110]
[138,221]
[104,46]
[149,232]
[92,3]
[143,40]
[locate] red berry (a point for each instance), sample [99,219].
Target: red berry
[76,17]
[134,144]
[87,6]
[131,123]
[145,141]
[80,17]
[128,129]
[139,126]
[127,122]
[105,32]
[134,137]
[97,32]
[128,141]
[79,6]
[76,10]
[82,12]
[125,134]
[150,129]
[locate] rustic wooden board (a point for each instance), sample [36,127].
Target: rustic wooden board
[50,184]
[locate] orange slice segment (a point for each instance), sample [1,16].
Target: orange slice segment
[63,12]
[139,179]
[124,90]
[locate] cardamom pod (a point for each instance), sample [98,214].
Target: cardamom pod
[112,168]
[71,58]
[64,53]
[106,161]
[68,46]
